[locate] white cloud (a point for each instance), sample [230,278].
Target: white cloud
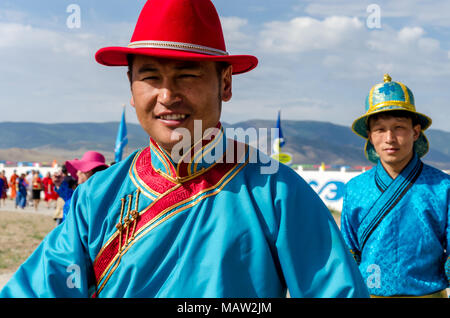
[415,36]
[19,36]
[408,34]
[430,12]
[305,33]
[325,8]
[8,15]
[337,59]
[235,36]
[231,28]
[317,67]
[53,77]
[428,44]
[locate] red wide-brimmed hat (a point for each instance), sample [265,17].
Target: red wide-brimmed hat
[178,29]
[89,161]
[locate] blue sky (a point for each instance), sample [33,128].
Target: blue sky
[318,59]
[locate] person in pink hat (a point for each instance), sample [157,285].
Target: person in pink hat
[196,213]
[80,170]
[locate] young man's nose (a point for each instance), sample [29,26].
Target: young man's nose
[390,136]
[168,94]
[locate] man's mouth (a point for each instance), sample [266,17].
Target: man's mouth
[177,117]
[172,120]
[391,150]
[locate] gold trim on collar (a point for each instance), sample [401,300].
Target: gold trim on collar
[201,153]
[162,158]
[137,181]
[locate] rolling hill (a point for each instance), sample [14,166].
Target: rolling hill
[310,142]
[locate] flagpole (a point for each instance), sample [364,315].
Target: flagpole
[121,138]
[126,146]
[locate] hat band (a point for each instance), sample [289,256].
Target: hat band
[404,105]
[176,46]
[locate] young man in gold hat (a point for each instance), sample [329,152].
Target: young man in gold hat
[395,216]
[157,225]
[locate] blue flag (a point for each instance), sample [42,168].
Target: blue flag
[280,133]
[121,140]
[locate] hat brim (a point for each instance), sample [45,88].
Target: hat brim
[117,56]
[75,165]
[360,127]
[421,147]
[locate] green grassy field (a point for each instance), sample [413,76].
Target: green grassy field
[20,234]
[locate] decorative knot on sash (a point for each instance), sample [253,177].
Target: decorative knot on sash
[126,229]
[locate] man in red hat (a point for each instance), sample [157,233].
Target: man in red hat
[170,222]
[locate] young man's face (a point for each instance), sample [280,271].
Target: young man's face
[393,139]
[169,94]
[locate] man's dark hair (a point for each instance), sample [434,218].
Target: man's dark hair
[130,59]
[99,168]
[394,113]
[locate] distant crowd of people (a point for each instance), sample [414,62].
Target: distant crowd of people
[28,189]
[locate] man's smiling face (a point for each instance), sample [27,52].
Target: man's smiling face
[169,94]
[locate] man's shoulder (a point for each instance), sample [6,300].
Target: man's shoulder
[267,166]
[361,179]
[270,176]
[435,175]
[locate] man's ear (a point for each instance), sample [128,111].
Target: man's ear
[369,136]
[417,129]
[227,80]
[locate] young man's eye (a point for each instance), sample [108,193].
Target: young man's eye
[188,75]
[150,78]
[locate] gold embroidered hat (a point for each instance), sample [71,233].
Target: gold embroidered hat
[390,96]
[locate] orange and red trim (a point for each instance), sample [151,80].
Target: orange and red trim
[173,195]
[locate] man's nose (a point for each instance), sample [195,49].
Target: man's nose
[168,94]
[390,136]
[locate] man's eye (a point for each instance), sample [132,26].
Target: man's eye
[188,75]
[147,78]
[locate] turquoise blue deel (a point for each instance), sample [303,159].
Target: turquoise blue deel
[243,234]
[398,229]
